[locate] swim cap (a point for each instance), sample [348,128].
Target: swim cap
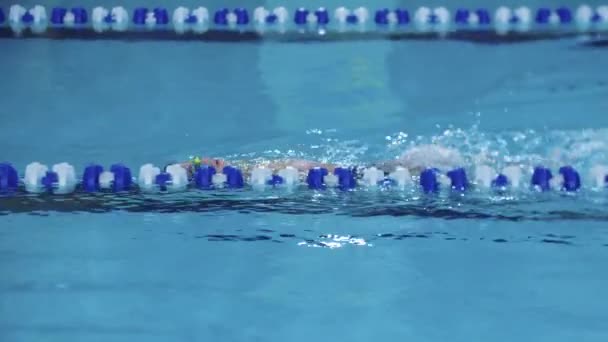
[196,162]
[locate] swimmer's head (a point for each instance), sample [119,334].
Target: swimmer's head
[196,162]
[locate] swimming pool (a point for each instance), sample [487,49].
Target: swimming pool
[273,266]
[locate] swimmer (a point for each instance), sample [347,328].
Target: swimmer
[415,160]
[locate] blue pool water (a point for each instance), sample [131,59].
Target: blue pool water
[310,266]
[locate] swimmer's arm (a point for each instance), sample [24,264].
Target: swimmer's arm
[299,164]
[387,166]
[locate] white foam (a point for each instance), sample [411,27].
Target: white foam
[513,174]
[484,175]
[598,174]
[33,176]
[372,176]
[66,178]
[401,176]
[425,156]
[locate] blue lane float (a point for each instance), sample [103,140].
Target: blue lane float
[517,20]
[466,17]
[242,16]
[221,17]
[139,16]
[546,15]
[346,178]
[458,179]
[123,179]
[234,177]
[428,181]
[58,14]
[9,178]
[203,177]
[90,178]
[500,182]
[143,16]
[541,178]
[27,18]
[275,180]
[61,179]
[117,179]
[314,179]
[76,15]
[163,180]
[161,15]
[225,17]
[303,16]
[571,178]
[322,16]
[300,16]
[50,181]
[80,15]
[398,17]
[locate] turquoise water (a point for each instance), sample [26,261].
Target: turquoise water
[323,266]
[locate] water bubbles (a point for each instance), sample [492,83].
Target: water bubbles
[333,241]
[314,131]
[519,136]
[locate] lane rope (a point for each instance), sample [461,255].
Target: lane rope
[502,20]
[62,178]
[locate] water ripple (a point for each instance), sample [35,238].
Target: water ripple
[520,207]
